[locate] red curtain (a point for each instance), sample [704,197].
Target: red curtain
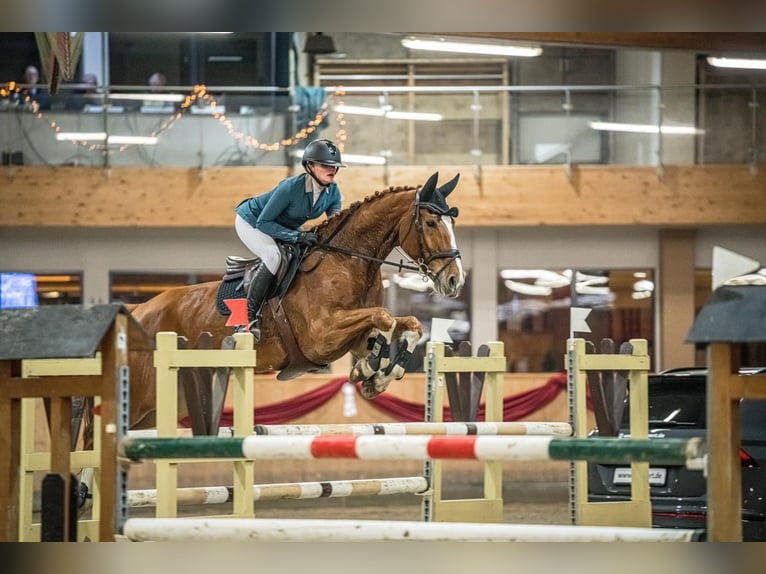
[515,407]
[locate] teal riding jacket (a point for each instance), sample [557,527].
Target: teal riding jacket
[281,211]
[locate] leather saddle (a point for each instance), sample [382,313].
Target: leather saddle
[235,284]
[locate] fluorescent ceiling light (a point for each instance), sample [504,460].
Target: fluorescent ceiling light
[740,63]
[643,285]
[131,140]
[585,289]
[527,289]
[101,136]
[360,110]
[412,281]
[352,158]
[424,116]
[81,136]
[388,113]
[645,128]
[542,277]
[367,159]
[459,47]
[225,58]
[149,97]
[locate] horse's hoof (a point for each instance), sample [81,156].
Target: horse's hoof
[368,390]
[361,371]
[355,375]
[374,386]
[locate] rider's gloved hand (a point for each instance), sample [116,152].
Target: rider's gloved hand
[307,238]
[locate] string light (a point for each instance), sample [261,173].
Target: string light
[199,93]
[340,133]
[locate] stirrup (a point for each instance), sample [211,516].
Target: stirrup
[254,327]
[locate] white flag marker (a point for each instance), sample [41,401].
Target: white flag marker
[439,330]
[728,264]
[577,320]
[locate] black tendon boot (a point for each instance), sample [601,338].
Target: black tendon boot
[260,284]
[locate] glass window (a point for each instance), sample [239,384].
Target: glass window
[534,307]
[408,294]
[137,287]
[33,289]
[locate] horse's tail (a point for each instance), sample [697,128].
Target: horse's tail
[85,475]
[88,423]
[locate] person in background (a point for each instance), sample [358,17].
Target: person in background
[157,81]
[278,215]
[31,81]
[88,97]
[91,83]
[155,103]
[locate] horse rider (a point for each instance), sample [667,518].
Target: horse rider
[278,215]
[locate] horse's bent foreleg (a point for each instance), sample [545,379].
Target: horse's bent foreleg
[407,334]
[372,331]
[367,331]
[377,358]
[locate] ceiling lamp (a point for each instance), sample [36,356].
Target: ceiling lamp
[379,159]
[388,113]
[103,137]
[739,63]
[318,43]
[645,128]
[461,47]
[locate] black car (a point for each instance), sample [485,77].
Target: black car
[678,496]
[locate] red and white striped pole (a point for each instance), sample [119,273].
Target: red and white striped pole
[690,452]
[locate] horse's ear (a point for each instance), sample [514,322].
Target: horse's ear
[427,191]
[447,188]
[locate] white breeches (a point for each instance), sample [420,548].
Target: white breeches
[259,243]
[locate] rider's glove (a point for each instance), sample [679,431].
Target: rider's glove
[307,238]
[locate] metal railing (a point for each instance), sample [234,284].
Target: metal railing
[468,124]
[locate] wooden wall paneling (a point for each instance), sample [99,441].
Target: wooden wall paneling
[505,196]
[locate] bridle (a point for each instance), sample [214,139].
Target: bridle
[423,262]
[421,265]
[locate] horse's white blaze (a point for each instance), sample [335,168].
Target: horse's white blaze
[453,244]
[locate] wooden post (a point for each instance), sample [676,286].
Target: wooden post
[10,457]
[243,397]
[724,481]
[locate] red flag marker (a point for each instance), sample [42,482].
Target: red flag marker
[238,309]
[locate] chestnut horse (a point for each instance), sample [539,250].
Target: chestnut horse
[335,302]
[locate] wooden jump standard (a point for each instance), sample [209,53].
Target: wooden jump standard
[57,353]
[168,358]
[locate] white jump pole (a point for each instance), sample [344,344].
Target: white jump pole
[288,490]
[304,530]
[448,428]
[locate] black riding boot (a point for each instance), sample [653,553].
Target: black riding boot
[260,284]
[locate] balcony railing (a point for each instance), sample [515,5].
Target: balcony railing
[455,123]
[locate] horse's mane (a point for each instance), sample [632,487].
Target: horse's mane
[331,223]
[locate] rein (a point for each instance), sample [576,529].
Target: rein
[420,266]
[401,265]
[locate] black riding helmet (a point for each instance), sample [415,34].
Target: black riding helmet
[322,151]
